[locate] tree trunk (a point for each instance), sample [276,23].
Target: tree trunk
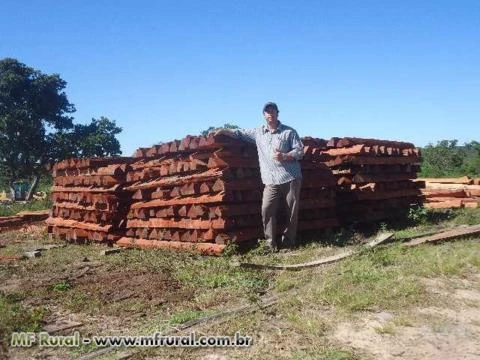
[12,189]
[34,185]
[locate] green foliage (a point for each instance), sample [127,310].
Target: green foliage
[417,214]
[46,183]
[231,250]
[388,278]
[213,128]
[61,286]
[467,216]
[448,159]
[184,316]
[15,317]
[32,105]
[36,128]
[16,207]
[91,140]
[218,273]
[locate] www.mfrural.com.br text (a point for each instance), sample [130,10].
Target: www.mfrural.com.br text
[43,339]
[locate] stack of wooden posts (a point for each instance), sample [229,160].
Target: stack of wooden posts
[202,193]
[318,194]
[375,178]
[22,218]
[88,199]
[197,194]
[451,192]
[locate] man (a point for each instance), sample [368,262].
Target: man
[279,151]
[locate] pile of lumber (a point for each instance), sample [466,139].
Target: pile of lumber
[445,193]
[22,218]
[375,178]
[202,193]
[318,210]
[198,194]
[89,202]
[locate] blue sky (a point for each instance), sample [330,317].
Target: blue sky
[397,70]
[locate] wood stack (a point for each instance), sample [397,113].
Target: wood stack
[374,177]
[318,194]
[197,194]
[451,192]
[202,193]
[22,218]
[88,199]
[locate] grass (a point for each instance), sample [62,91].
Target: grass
[12,208]
[312,301]
[184,316]
[194,271]
[467,216]
[385,329]
[14,317]
[329,354]
[388,277]
[16,207]
[61,286]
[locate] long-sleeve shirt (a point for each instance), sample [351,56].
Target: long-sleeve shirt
[284,139]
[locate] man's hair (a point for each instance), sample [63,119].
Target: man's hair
[271,105]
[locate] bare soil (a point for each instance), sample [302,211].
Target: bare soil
[450,330]
[123,299]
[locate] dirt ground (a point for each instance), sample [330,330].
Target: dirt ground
[451,331]
[118,300]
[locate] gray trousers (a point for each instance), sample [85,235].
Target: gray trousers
[275,196]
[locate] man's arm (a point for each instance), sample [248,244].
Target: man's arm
[296,154]
[242,134]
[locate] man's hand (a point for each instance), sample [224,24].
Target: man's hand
[279,156]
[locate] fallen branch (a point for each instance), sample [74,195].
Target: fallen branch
[328,260]
[60,326]
[219,317]
[445,235]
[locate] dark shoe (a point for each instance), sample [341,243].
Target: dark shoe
[287,243]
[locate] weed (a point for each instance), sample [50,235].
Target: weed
[383,227]
[61,286]
[14,317]
[402,321]
[184,316]
[417,214]
[467,216]
[388,328]
[218,273]
[230,250]
[330,354]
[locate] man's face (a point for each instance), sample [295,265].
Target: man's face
[271,115]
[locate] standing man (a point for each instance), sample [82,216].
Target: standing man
[279,151]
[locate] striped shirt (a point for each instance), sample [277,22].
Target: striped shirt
[284,139]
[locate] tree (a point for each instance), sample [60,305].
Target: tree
[36,127]
[448,159]
[98,138]
[31,105]
[471,163]
[213,128]
[92,140]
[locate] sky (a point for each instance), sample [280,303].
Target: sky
[397,70]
